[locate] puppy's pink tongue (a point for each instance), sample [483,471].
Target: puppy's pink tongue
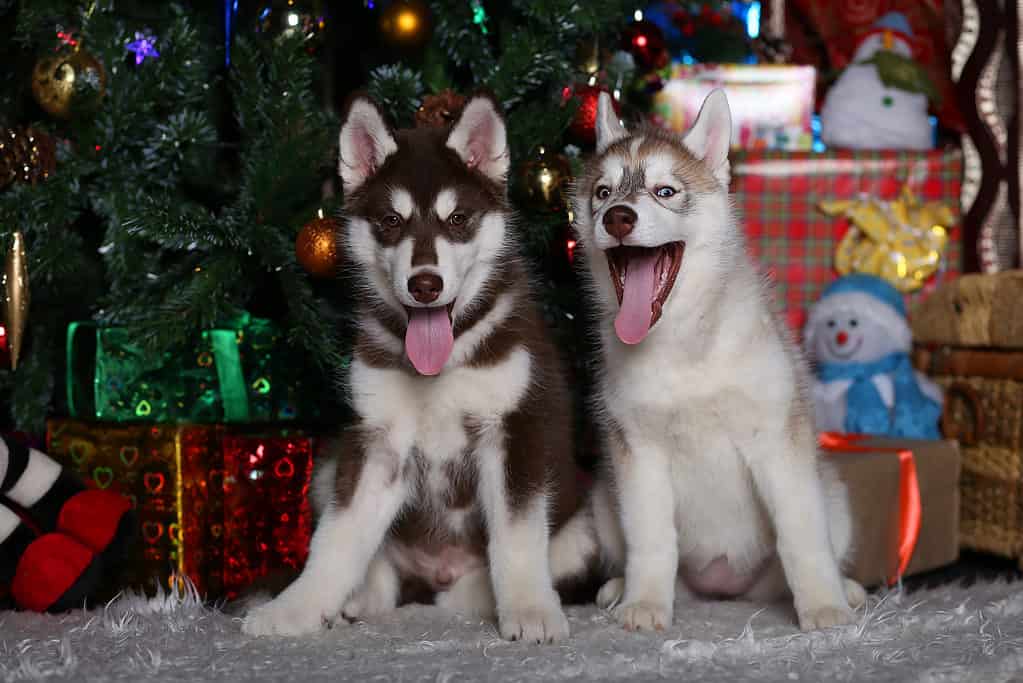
[429,339]
[634,315]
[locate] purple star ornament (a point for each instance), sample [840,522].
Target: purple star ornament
[143,46]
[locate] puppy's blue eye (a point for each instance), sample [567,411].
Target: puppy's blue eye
[853,322]
[665,192]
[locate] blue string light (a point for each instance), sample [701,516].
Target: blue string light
[753,19]
[230,10]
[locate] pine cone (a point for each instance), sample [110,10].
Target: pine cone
[27,155]
[440,109]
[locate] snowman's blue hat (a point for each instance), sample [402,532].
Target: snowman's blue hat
[863,296]
[867,284]
[894,21]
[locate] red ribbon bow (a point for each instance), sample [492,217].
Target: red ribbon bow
[909,490]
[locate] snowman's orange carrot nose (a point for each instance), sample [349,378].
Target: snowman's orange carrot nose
[886,40]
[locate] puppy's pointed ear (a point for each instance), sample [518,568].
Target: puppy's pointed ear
[609,128]
[710,136]
[365,142]
[480,138]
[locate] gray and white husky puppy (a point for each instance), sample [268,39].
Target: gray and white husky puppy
[714,486]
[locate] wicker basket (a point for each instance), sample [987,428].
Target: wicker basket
[984,411]
[973,310]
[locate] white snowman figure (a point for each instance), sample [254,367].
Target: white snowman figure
[859,340]
[861,112]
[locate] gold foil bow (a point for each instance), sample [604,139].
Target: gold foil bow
[901,241]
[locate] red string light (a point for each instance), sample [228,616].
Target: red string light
[67,38]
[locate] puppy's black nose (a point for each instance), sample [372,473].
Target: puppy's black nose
[619,221]
[425,287]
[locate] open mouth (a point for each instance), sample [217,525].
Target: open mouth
[429,338]
[643,278]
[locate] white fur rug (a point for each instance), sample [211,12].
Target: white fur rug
[949,634]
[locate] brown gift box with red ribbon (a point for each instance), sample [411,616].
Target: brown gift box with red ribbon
[904,503]
[221,505]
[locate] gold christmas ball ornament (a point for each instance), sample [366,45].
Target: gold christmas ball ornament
[26,155]
[14,286]
[587,56]
[405,23]
[545,180]
[316,247]
[67,84]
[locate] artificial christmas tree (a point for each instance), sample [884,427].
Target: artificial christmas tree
[179,187]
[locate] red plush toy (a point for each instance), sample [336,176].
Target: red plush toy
[73,535]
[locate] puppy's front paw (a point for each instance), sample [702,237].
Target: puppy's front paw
[825,617]
[283,617]
[854,593]
[536,623]
[365,605]
[369,602]
[643,615]
[610,593]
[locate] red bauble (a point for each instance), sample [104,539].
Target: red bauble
[645,42]
[584,125]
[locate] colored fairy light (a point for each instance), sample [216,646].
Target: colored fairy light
[407,22]
[67,38]
[479,16]
[143,46]
[638,15]
[753,19]
[230,11]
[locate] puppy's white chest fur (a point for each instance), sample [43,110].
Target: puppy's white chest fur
[429,413]
[702,399]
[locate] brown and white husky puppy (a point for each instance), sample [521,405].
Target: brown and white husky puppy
[714,486]
[458,472]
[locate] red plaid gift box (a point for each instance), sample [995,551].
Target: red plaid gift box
[779,193]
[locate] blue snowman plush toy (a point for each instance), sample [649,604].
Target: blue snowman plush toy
[859,339]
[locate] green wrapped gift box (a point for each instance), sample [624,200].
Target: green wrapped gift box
[234,373]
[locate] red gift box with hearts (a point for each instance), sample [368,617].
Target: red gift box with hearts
[220,505]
